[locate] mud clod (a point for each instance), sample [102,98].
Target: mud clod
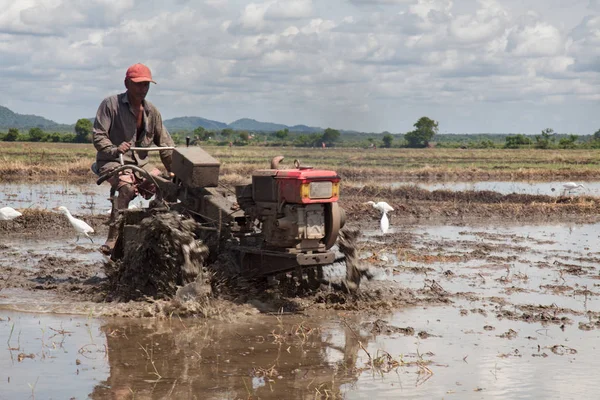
[380,326]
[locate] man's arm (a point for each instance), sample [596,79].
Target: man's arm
[102,124]
[163,139]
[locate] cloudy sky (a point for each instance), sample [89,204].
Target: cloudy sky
[370,65]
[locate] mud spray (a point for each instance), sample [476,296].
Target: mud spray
[165,257]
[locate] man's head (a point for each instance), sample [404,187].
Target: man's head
[137,81]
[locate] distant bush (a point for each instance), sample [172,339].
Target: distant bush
[68,138]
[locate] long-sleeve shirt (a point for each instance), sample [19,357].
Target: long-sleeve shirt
[116,123]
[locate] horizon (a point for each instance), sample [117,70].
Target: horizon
[363,65]
[340,129]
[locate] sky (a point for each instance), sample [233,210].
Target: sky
[475,66]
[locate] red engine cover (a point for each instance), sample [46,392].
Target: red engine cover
[290,181]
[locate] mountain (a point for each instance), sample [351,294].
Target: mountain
[243,124]
[191,123]
[247,124]
[10,119]
[304,128]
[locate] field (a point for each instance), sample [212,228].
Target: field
[72,161]
[486,286]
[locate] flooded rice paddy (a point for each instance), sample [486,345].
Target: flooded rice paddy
[82,198]
[507,187]
[89,198]
[502,309]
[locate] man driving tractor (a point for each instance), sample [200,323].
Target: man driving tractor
[123,121]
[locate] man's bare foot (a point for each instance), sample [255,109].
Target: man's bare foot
[107,248]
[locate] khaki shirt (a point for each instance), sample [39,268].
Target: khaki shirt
[116,123]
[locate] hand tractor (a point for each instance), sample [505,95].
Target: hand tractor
[286,220]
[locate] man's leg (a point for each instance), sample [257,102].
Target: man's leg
[124,184]
[146,188]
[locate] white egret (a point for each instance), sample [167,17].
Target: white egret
[385,223]
[81,227]
[8,213]
[384,208]
[570,186]
[381,206]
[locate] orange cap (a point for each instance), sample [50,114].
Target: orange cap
[139,73]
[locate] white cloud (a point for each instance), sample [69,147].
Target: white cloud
[540,39]
[488,22]
[289,9]
[378,2]
[343,64]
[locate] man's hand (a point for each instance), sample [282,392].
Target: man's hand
[123,147]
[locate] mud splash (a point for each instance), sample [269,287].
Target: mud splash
[164,255]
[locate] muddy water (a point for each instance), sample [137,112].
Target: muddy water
[294,357]
[45,356]
[497,311]
[519,257]
[90,198]
[519,317]
[87,198]
[506,187]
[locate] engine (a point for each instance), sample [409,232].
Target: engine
[295,208]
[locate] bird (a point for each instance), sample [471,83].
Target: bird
[81,227]
[385,223]
[570,186]
[384,208]
[8,213]
[381,206]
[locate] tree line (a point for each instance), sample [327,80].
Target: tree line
[82,134]
[423,135]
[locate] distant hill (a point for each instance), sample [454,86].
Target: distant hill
[243,124]
[247,124]
[191,123]
[304,128]
[10,119]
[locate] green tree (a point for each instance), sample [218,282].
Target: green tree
[244,136]
[227,133]
[426,129]
[330,136]
[568,142]
[68,138]
[387,140]
[545,140]
[54,137]
[597,135]
[36,135]
[83,131]
[516,141]
[12,135]
[282,134]
[201,134]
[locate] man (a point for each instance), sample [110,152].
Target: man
[123,121]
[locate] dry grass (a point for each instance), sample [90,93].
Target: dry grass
[66,160]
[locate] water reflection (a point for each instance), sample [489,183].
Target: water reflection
[268,360]
[81,198]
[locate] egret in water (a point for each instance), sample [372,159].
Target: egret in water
[570,186]
[81,227]
[381,206]
[384,223]
[8,213]
[384,208]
